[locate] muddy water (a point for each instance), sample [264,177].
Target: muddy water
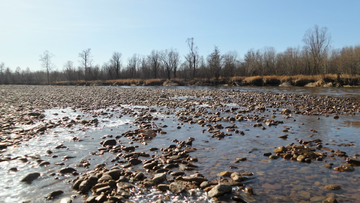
[275,180]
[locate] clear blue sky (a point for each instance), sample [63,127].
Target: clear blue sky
[66,27]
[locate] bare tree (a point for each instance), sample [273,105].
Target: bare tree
[317,43]
[170,59]
[2,67]
[229,61]
[69,70]
[86,61]
[154,59]
[215,62]
[133,65]
[192,57]
[116,63]
[46,63]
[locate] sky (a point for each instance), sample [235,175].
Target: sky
[67,27]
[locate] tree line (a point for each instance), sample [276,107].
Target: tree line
[315,57]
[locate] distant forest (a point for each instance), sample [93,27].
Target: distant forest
[316,57]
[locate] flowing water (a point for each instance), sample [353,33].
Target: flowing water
[277,180]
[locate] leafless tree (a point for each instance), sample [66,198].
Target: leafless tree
[86,61]
[317,43]
[170,60]
[116,63]
[229,60]
[133,64]
[192,57]
[154,59]
[215,63]
[46,63]
[69,70]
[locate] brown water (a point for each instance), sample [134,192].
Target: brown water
[275,180]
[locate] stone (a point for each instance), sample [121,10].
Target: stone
[317,198]
[176,188]
[220,190]
[332,187]
[225,173]
[30,177]
[280,149]
[283,136]
[3,146]
[67,170]
[330,200]
[109,142]
[86,185]
[159,178]
[163,187]
[66,200]
[54,194]
[236,177]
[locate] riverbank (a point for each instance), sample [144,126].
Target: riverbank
[328,80]
[175,145]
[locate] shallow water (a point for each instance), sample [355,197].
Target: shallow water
[276,180]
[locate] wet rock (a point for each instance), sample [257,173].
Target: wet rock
[176,188]
[3,146]
[344,167]
[283,136]
[30,177]
[67,170]
[86,185]
[220,190]
[66,200]
[135,161]
[353,161]
[249,190]
[332,187]
[177,173]
[225,173]
[330,200]
[105,178]
[110,142]
[163,187]
[44,163]
[328,165]
[280,149]
[159,178]
[54,194]
[236,177]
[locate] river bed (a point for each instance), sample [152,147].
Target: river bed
[272,180]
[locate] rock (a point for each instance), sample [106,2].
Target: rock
[163,187]
[44,163]
[219,190]
[3,145]
[225,173]
[177,173]
[344,167]
[109,142]
[86,185]
[300,158]
[330,200]
[328,165]
[159,178]
[54,194]
[135,161]
[332,187]
[104,178]
[283,136]
[236,177]
[353,161]
[249,190]
[317,198]
[67,170]
[30,177]
[176,188]
[280,149]
[66,200]
[115,173]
